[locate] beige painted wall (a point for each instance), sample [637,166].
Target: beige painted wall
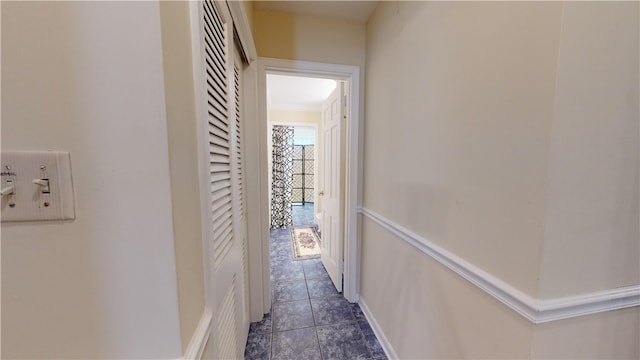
[463,120]
[591,238]
[428,312]
[608,335]
[516,148]
[103,285]
[286,36]
[183,160]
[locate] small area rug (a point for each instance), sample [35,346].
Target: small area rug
[305,243]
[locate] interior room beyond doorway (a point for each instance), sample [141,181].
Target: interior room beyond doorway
[295,102]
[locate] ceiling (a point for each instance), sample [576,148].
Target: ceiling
[297,93]
[357,12]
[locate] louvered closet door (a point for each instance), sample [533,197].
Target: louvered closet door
[239,176]
[226,248]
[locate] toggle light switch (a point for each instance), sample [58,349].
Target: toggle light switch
[44,185]
[9,189]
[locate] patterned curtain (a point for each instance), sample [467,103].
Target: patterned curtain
[282,176]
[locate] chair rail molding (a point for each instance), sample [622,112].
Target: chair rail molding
[535,310]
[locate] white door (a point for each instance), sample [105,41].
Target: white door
[240,215]
[332,218]
[224,214]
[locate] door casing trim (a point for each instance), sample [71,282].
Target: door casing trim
[351,74]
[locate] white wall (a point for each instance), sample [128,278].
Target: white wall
[87,77]
[511,131]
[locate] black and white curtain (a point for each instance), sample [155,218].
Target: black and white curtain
[281,176]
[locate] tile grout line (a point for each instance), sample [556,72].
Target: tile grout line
[315,326]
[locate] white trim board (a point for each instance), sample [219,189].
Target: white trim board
[200,337]
[535,310]
[382,338]
[243,29]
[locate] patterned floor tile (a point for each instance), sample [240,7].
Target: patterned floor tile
[287,264]
[343,341]
[277,235]
[357,312]
[287,272]
[292,332]
[261,327]
[321,288]
[296,345]
[303,215]
[258,347]
[290,290]
[331,310]
[313,269]
[292,315]
[281,251]
[370,338]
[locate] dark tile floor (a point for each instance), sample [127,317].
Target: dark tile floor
[309,318]
[303,215]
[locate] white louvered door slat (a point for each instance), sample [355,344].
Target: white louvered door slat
[227,326]
[239,164]
[226,243]
[219,137]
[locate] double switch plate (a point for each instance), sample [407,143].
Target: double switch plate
[36,185]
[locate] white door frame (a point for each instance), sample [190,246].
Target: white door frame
[332,71]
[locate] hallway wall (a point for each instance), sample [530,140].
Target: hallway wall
[87,77]
[287,36]
[592,239]
[592,190]
[515,143]
[182,126]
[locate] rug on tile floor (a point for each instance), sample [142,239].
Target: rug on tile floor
[305,243]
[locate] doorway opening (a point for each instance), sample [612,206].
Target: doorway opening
[344,226]
[294,142]
[305,117]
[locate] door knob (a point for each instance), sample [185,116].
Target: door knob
[321,193]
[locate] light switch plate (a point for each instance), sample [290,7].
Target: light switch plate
[30,201]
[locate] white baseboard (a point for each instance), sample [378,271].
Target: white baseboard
[535,310]
[200,337]
[386,345]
